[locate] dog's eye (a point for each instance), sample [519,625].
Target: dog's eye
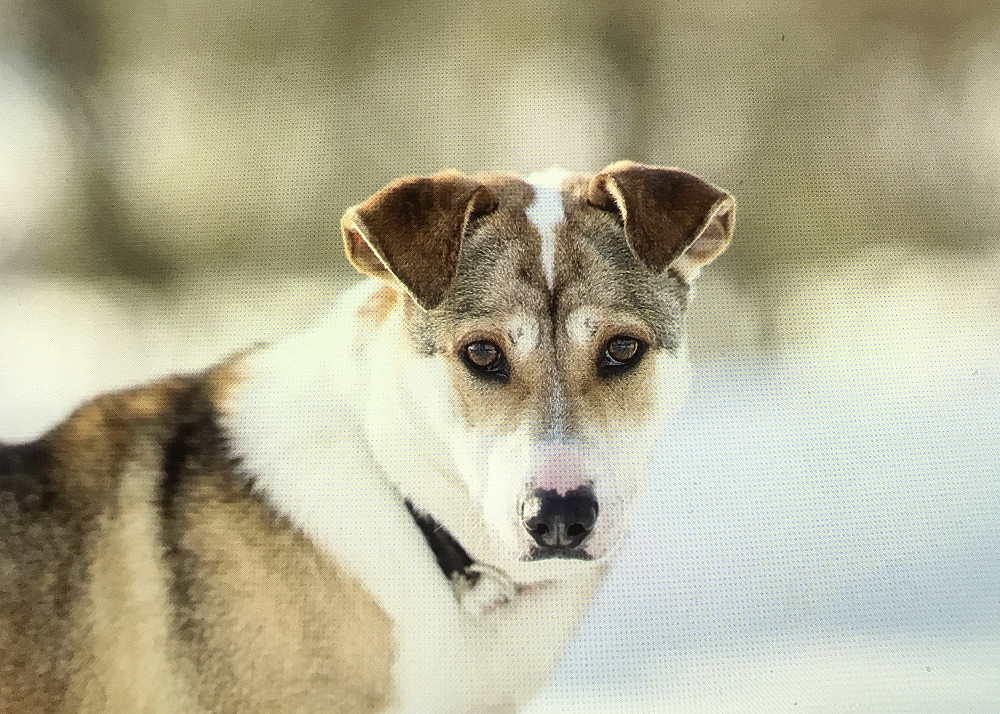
[486,359]
[621,353]
[622,349]
[483,354]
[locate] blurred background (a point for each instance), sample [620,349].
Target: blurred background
[825,533]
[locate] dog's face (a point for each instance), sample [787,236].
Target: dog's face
[545,323]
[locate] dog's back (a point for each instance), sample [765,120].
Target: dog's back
[63,500]
[34,561]
[139,572]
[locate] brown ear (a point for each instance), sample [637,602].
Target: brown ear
[412,230]
[671,217]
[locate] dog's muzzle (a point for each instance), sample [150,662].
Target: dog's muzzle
[559,524]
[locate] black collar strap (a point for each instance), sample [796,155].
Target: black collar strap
[478,587]
[451,556]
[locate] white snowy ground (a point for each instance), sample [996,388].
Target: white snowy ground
[806,547]
[822,533]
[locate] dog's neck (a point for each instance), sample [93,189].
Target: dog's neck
[479,588]
[349,381]
[403,421]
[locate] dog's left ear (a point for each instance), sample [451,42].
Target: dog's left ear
[412,231]
[671,217]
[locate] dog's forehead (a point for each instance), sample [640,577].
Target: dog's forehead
[546,252]
[543,238]
[547,213]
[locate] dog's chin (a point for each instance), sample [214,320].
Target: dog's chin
[536,564]
[555,568]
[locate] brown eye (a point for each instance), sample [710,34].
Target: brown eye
[621,354]
[485,359]
[623,349]
[482,354]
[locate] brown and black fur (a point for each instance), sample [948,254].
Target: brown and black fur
[140,572]
[499,277]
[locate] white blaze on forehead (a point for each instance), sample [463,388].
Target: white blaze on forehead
[523,332]
[546,211]
[582,324]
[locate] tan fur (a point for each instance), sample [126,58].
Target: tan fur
[223,379]
[121,641]
[296,602]
[86,625]
[608,402]
[375,311]
[491,403]
[140,571]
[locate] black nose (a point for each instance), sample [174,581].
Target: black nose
[559,522]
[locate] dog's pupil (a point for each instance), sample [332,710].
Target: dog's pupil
[623,348]
[482,353]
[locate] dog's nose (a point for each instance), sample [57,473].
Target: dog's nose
[559,522]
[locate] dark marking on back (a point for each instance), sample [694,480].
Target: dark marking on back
[24,477]
[195,440]
[177,450]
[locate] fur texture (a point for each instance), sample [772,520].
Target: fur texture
[239,540]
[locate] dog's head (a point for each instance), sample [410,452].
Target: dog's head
[543,329]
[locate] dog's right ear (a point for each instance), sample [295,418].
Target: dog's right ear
[411,231]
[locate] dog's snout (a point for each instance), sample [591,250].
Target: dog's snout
[559,522]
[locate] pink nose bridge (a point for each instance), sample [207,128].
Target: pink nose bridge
[557,467]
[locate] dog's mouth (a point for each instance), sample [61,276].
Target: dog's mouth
[542,553]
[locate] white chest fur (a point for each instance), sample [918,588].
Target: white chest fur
[297,422]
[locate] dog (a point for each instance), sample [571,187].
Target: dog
[407,508]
